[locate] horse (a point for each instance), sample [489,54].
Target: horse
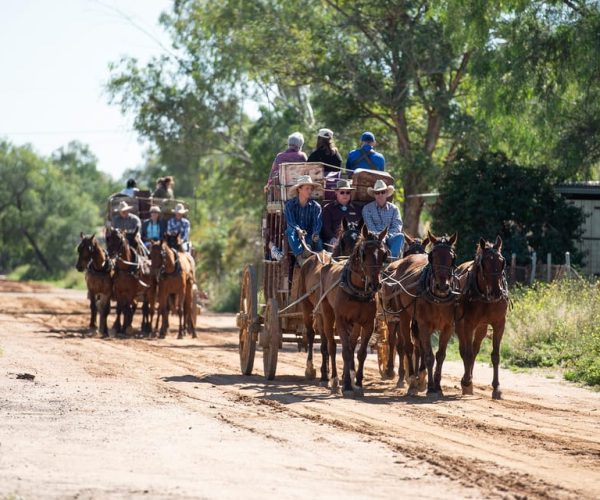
[132,278]
[310,283]
[93,259]
[422,297]
[484,302]
[175,275]
[394,341]
[348,305]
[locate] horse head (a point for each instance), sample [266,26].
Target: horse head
[85,251]
[116,244]
[347,238]
[369,255]
[489,268]
[442,259]
[174,240]
[414,246]
[156,255]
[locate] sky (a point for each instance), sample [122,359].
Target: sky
[54,57]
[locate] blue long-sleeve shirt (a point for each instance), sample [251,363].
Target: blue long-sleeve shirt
[307,217]
[378,218]
[357,159]
[182,226]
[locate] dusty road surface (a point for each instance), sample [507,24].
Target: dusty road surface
[175,419]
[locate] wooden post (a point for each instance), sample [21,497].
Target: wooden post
[549,267]
[568,264]
[513,269]
[533,265]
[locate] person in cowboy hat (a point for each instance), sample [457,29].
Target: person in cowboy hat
[179,224]
[365,156]
[381,214]
[326,152]
[341,208]
[129,223]
[292,154]
[303,218]
[153,228]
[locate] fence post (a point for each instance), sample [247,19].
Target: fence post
[533,264]
[568,264]
[513,269]
[549,267]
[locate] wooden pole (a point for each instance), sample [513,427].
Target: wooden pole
[513,269]
[549,267]
[533,265]
[568,264]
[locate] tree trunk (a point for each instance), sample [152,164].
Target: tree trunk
[37,251]
[411,215]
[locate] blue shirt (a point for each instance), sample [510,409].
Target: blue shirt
[154,231]
[354,160]
[377,219]
[181,226]
[307,217]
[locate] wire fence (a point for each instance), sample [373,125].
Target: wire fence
[538,270]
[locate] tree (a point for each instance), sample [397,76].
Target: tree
[491,195]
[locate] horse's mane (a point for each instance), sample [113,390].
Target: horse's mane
[479,250]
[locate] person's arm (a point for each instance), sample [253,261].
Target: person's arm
[171,225]
[326,231]
[396,222]
[290,217]
[186,230]
[318,219]
[368,214]
[145,229]
[138,225]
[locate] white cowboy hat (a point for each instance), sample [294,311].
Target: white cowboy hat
[380,186]
[154,209]
[303,180]
[180,209]
[123,207]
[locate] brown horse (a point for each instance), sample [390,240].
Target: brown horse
[175,275]
[422,298]
[348,305]
[484,302]
[93,259]
[395,341]
[131,280]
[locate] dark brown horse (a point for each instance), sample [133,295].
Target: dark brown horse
[348,305]
[423,297]
[93,259]
[395,343]
[484,302]
[175,276]
[131,281]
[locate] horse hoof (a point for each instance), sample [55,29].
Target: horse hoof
[358,392]
[467,390]
[161,336]
[412,391]
[422,383]
[348,393]
[179,337]
[324,383]
[335,383]
[400,384]
[434,393]
[496,394]
[310,373]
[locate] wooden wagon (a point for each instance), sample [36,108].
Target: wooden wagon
[278,317]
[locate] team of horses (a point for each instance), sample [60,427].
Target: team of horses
[127,276]
[421,293]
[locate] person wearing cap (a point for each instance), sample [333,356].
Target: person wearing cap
[366,157]
[326,151]
[303,219]
[127,222]
[179,224]
[131,188]
[335,212]
[164,188]
[292,154]
[153,229]
[381,214]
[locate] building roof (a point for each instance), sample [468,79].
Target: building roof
[579,190]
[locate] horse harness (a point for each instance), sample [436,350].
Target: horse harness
[473,293]
[162,274]
[356,294]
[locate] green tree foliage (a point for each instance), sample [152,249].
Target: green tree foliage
[491,195]
[42,211]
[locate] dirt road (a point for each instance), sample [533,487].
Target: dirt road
[168,418]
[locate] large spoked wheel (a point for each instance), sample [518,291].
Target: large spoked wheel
[247,319]
[273,337]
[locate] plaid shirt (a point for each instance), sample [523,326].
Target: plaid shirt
[307,217]
[377,219]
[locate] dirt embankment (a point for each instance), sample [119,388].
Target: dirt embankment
[169,418]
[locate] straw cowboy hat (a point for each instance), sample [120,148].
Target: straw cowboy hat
[154,209]
[345,184]
[180,209]
[123,207]
[380,186]
[303,180]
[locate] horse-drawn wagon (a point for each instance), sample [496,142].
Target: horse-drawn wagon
[279,318]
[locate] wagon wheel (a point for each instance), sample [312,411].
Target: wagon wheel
[247,319]
[271,346]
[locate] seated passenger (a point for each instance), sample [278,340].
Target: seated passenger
[153,228]
[366,156]
[334,212]
[292,154]
[131,188]
[164,188]
[303,218]
[381,214]
[179,224]
[326,152]
[127,222]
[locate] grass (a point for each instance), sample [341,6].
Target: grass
[70,279]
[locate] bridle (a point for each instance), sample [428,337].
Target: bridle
[369,289]
[429,276]
[473,290]
[107,267]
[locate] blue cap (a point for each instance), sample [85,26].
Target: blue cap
[367,137]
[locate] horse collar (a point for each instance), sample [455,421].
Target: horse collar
[355,293]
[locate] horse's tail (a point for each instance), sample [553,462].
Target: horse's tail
[414,329]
